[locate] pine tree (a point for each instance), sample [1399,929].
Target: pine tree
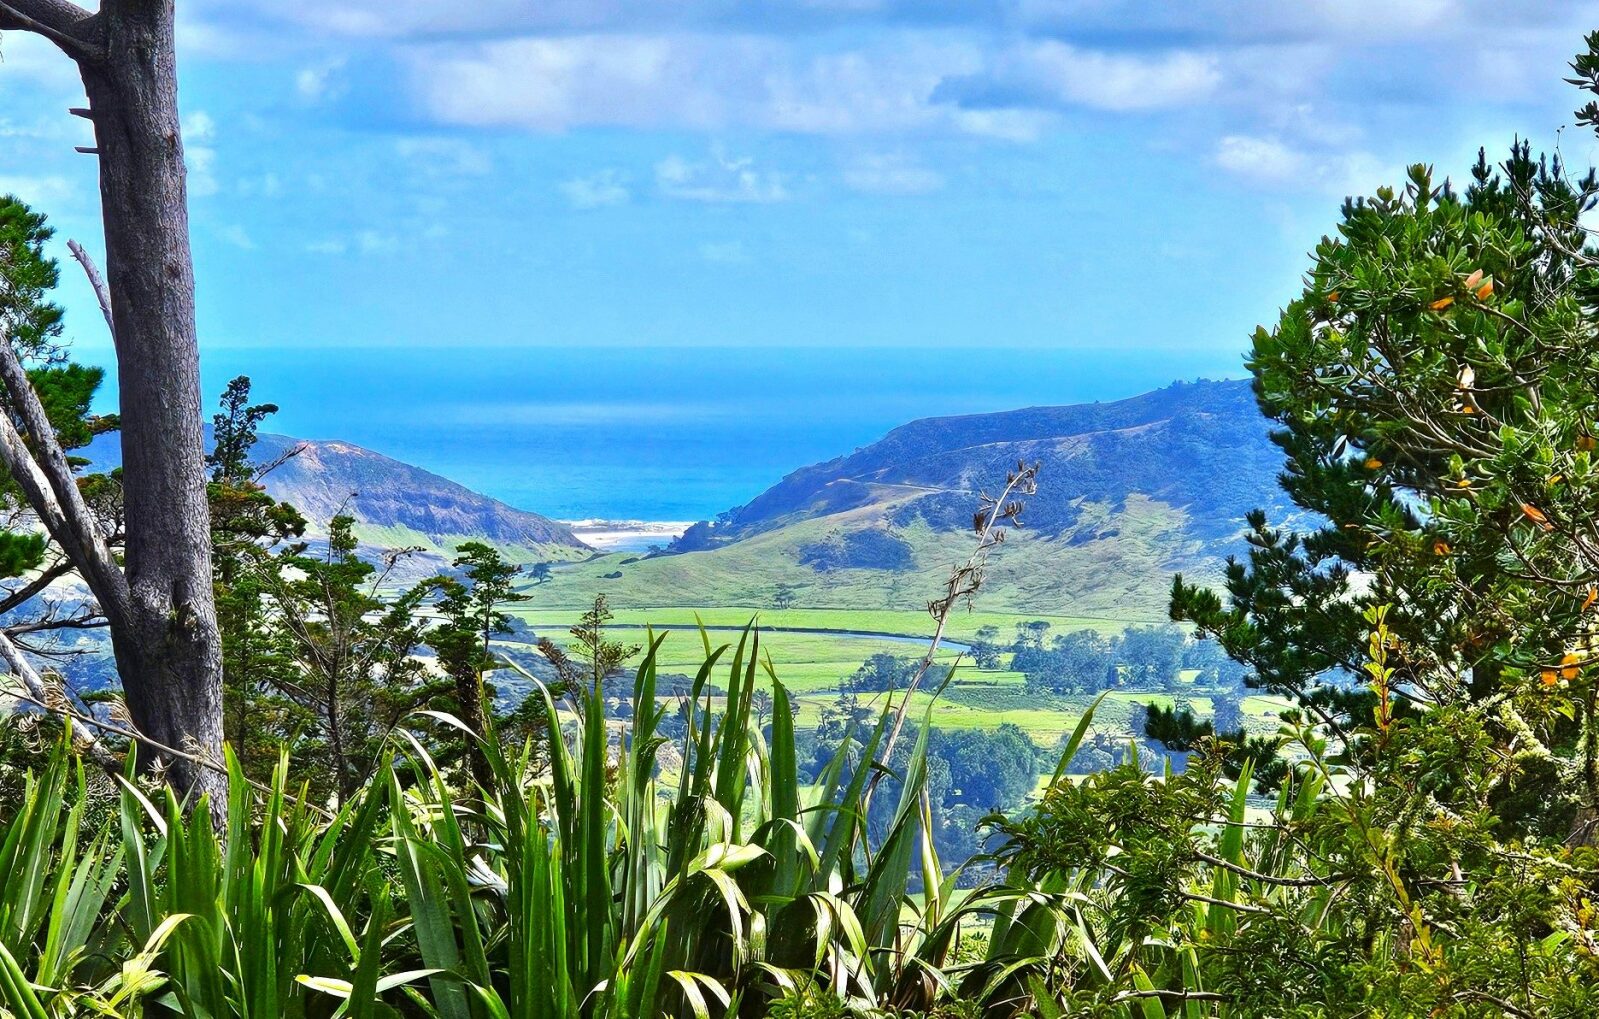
[250,532]
[1437,396]
[472,617]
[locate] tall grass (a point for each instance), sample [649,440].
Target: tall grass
[590,881]
[601,878]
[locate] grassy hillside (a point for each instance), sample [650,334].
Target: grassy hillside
[1129,493]
[1124,578]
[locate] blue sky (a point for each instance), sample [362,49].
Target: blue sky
[1074,174]
[480,236]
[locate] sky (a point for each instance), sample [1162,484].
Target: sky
[1106,179]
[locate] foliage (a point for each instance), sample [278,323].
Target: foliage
[318,655]
[1085,661]
[603,884]
[1370,887]
[985,647]
[596,886]
[32,323]
[472,616]
[1177,729]
[1438,391]
[352,651]
[247,525]
[883,671]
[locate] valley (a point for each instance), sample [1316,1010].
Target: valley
[837,562]
[816,652]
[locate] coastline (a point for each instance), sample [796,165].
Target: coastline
[627,535]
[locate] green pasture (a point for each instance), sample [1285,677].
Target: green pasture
[962,625]
[813,664]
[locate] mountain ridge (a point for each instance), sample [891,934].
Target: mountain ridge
[1087,444]
[395,504]
[1129,492]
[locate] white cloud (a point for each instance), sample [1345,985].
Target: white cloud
[597,190]
[1048,73]
[1272,162]
[37,190]
[198,126]
[268,185]
[362,242]
[1203,19]
[891,174]
[24,56]
[375,242]
[719,179]
[1266,159]
[687,81]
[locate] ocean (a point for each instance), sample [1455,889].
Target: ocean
[655,433]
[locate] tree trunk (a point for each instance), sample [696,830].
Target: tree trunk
[168,649]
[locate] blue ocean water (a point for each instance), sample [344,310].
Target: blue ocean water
[657,433]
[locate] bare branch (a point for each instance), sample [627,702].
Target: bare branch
[96,281]
[69,26]
[84,621]
[74,526]
[27,592]
[40,694]
[67,711]
[278,461]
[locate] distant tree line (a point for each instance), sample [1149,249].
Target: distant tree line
[1087,661]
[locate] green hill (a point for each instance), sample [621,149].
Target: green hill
[1129,492]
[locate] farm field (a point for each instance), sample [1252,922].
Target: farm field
[815,651]
[905,623]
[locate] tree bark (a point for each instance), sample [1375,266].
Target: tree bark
[164,631]
[169,653]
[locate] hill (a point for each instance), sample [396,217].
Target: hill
[1129,492]
[395,504]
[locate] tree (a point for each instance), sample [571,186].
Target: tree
[472,617]
[596,655]
[1031,634]
[65,393]
[158,601]
[992,770]
[1438,401]
[1175,729]
[985,647]
[540,573]
[783,597]
[247,528]
[839,718]
[355,671]
[1080,660]
[1153,654]
[882,671]
[761,705]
